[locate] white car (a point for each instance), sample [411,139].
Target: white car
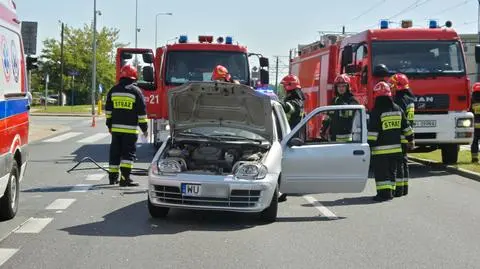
[231,149]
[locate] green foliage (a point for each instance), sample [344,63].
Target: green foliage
[78,58]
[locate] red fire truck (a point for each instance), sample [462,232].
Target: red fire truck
[431,57]
[181,62]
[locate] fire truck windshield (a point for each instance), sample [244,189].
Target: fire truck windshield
[185,66]
[437,57]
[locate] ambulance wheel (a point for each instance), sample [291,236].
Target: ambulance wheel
[269,215]
[450,154]
[9,201]
[157,212]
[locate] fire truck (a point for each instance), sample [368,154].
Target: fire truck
[175,64]
[433,59]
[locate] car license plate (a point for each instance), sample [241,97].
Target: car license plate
[425,123]
[191,189]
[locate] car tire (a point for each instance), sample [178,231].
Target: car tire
[157,212]
[269,215]
[9,201]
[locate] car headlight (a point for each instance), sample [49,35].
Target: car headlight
[251,171]
[169,166]
[464,123]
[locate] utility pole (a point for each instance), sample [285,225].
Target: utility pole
[94,64]
[276,73]
[60,93]
[136,23]
[478,18]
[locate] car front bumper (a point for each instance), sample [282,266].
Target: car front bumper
[222,193]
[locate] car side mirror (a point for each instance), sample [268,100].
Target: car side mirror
[347,55]
[295,142]
[477,53]
[264,77]
[147,58]
[263,62]
[148,74]
[126,56]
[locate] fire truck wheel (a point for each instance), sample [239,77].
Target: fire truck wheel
[9,201]
[450,154]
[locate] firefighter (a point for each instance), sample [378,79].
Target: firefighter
[339,125]
[125,111]
[293,105]
[475,109]
[386,126]
[220,73]
[405,99]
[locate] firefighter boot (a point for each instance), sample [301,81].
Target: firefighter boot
[282,197]
[127,182]
[113,178]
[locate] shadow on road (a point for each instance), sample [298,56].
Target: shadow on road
[100,153]
[134,220]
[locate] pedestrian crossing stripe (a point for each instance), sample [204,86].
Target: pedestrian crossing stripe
[90,139]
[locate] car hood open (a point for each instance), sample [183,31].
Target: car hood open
[202,104]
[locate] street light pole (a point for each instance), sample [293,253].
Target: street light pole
[94,64]
[60,93]
[478,18]
[136,23]
[156,22]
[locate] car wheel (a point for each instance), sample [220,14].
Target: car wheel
[269,215]
[157,211]
[9,201]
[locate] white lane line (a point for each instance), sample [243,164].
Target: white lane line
[62,137]
[81,188]
[95,177]
[34,225]
[94,138]
[6,253]
[60,204]
[323,210]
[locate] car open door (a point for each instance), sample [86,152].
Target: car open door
[330,164]
[143,60]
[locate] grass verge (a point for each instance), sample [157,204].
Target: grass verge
[464,159]
[63,109]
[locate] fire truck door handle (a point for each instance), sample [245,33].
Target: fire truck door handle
[358,152]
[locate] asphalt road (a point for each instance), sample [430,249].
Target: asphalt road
[74,220]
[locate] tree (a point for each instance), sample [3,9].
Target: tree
[78,60]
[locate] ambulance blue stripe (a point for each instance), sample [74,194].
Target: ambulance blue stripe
[12,107]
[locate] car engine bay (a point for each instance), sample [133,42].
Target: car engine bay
[213,157]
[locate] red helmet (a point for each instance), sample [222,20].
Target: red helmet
[399,81]
[128,71]
[382,89]
[291,82]
[342,79]
[476,87]
[221,72]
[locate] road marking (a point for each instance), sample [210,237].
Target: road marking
[81,188]
[6,253]
[94,138]
[323,210]
[95,177]
[34,225]
[62,137]
[60,204]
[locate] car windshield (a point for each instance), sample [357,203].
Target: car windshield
[224,133]
[419,57]
[185,66]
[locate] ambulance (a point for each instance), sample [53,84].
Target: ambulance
[14,107]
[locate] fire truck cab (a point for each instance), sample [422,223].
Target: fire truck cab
[182,62]
[433,59]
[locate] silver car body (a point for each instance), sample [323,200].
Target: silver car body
[306,169]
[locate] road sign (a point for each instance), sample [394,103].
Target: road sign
[29,36]
[73,73]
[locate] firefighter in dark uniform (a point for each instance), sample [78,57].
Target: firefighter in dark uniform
[339,124]
[125,111]
[386,126]
[405,99]
[475,109]
[293,105]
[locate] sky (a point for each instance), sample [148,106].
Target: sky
[271,28]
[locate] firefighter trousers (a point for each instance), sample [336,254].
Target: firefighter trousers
[401,182]
[122,156]
[474,146]
[385,170]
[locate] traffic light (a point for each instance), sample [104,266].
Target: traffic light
[32,63]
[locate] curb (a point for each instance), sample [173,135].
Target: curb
[450,168]
[65,115]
